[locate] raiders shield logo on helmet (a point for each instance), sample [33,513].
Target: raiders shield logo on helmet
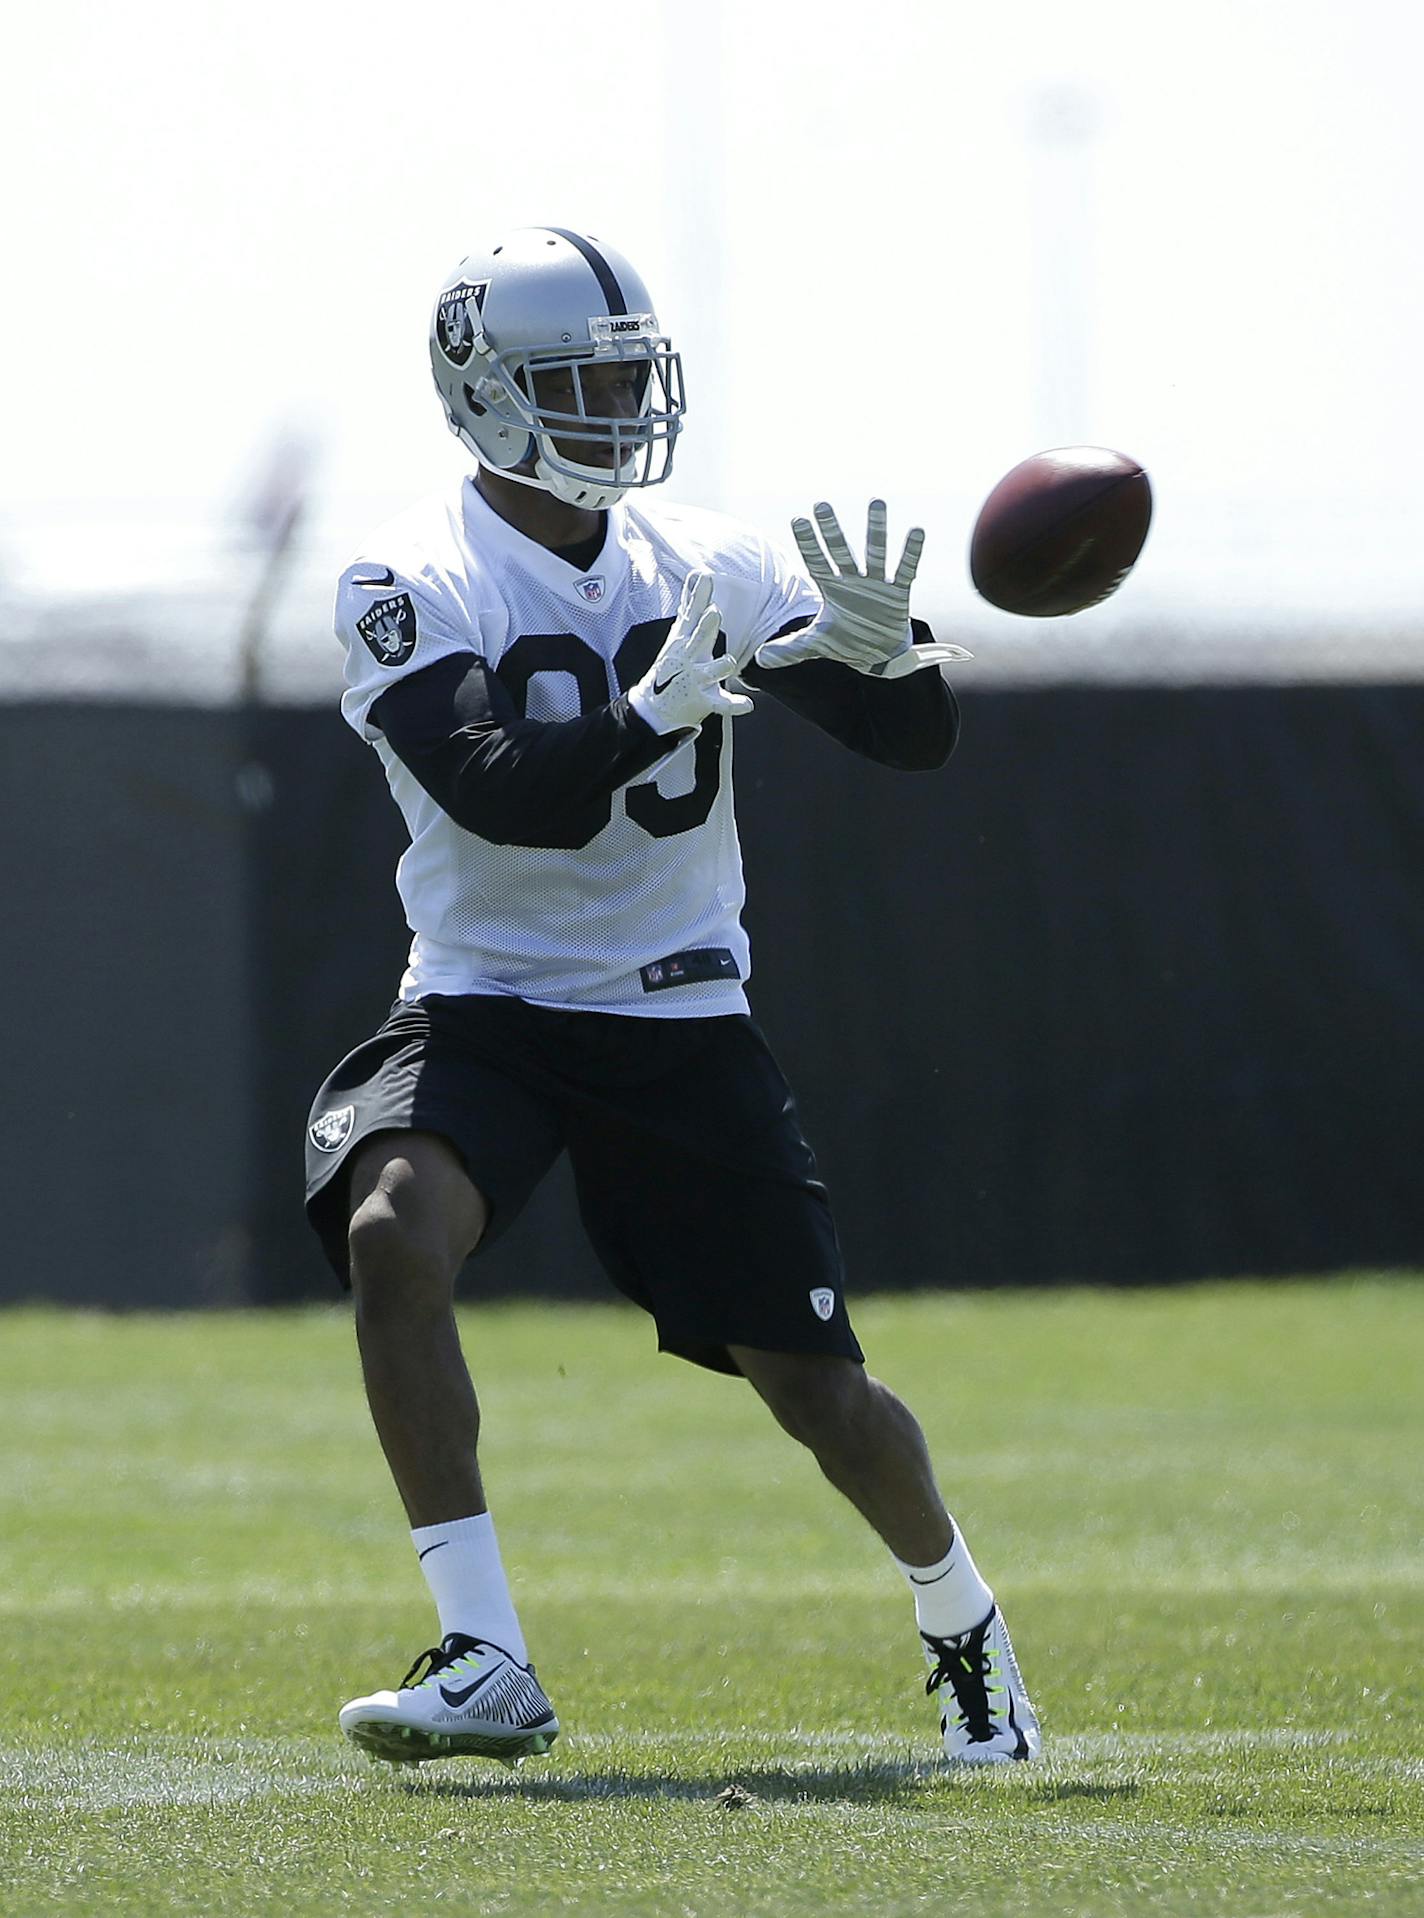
[388,629]
[823,1301]
[331,1130]
[454,329]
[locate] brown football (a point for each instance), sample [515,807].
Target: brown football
[1061,531]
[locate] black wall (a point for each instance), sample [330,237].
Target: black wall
[1130,991]
[127,1056]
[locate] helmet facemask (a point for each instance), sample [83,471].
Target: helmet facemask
[638,446]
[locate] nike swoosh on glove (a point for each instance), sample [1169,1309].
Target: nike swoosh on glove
[683,686]
[864,621]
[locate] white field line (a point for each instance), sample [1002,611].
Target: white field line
[108,1778]
[1293,1584]
[171,1770]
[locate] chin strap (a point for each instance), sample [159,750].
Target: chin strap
[601,488]
[594,493]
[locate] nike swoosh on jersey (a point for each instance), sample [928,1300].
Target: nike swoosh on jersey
[388,578]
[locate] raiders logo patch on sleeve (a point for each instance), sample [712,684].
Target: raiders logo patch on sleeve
[388,629]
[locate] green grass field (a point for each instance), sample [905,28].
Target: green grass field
[1202,1509]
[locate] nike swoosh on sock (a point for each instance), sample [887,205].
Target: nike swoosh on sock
[928,1581]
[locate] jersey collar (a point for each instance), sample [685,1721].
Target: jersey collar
[488,532]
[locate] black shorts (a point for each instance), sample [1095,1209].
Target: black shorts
[695,1184]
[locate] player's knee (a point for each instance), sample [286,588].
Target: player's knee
[394,1265]
[819,1401]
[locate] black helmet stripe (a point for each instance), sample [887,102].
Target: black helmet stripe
[607,284]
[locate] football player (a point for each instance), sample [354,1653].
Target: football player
[550,664]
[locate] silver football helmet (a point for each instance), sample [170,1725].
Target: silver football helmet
[536,312]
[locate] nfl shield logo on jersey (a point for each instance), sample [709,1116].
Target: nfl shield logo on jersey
[823,1301]
[331,1130]
[592,589]
[388,629]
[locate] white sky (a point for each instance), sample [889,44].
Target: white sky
[883,272]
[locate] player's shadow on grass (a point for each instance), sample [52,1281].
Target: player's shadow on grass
[1050,1794]
[862,1783]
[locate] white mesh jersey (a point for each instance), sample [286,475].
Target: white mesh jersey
[662,874]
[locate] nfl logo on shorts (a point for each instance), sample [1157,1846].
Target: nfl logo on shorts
[823,1301]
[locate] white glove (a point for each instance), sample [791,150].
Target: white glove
[683,686]
[864,620]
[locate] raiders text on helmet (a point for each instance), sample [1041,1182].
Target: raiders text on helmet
[546,302]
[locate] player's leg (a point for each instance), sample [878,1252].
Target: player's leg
[866,1441]
[701,1196]
[423,1141]
[415,1217]
[870,1446]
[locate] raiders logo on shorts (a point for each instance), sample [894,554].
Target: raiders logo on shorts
[331,1130]
[388,629]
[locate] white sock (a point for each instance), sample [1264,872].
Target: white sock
[950,1597]
[462,1567]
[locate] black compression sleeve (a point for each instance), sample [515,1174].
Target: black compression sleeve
[910,723]
[515,781]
